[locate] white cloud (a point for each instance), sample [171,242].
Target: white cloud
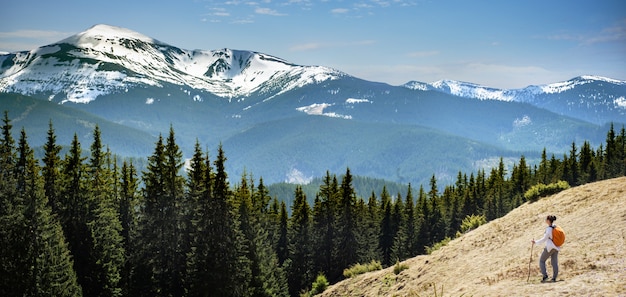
[339,10]
[21,40]
[319,45]
[422,54]
[306,46]
[242,21]
[35,34]
[615,33]
[268,11]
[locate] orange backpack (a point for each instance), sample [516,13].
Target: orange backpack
[558,236]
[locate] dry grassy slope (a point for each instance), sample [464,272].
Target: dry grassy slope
[493,259]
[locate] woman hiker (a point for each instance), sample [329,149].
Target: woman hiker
[551,251]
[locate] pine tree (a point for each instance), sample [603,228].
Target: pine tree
[161,229]
[387,231]
[175,207]
[423,216]
[282,244]
[398,225]
[199,189]
[573,165]
[611,157]
[411,223]
[347,244]
[586,163]
[15,264]
[52,273]
[301,273]
[369,230]
[106,254]
[325,225]
[219,265]
[52,170]
[267,277]
[74,209]
[128,218]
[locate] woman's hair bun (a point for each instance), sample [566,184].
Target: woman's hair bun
[552,218]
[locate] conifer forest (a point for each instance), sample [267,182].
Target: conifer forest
[82,224]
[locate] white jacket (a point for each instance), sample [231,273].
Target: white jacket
[547,237]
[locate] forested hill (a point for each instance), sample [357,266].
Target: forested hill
[73,225]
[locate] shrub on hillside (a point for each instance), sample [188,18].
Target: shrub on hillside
[358,268]
[399,267]
[540,190]
[470,223]
[319,285]
[438,245]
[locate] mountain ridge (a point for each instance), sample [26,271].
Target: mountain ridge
[123,58]
[219,96]
[603,99]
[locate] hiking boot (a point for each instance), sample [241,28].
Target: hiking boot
[544,279]
[554,280]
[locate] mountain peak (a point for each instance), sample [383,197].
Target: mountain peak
[100,33]
[600,78]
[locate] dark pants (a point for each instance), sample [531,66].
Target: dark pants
[554,259]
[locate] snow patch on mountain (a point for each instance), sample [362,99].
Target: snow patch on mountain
[524,121]
[602,78]
[318,109]
[416,85]
[577,81]
[355,101]
[620,102]
[470,90]
[295,176]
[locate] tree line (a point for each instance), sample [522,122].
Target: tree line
[82,224]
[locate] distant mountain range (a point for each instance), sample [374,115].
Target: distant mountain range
[287,122]
[592,98]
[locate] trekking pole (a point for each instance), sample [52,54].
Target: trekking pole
[531,260]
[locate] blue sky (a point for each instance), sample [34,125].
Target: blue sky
[506,44]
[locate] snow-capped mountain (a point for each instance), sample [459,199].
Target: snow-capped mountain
[318,118]
[593,98]
[106,59]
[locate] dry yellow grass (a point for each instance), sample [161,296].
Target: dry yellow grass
[493,259]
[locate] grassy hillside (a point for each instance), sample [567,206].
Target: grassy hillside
[493,259]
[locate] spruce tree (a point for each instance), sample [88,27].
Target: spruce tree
[163,249]
[411,223]
[398,224]
[74,214]
[325,225]
[387,231]
[347,244]
[369,229]
[107,252]
[282,244]
[52,169]
[423,216]
[128,218]
[15,264]
[50,262]
[267,277]
[219,264]
[301,273]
